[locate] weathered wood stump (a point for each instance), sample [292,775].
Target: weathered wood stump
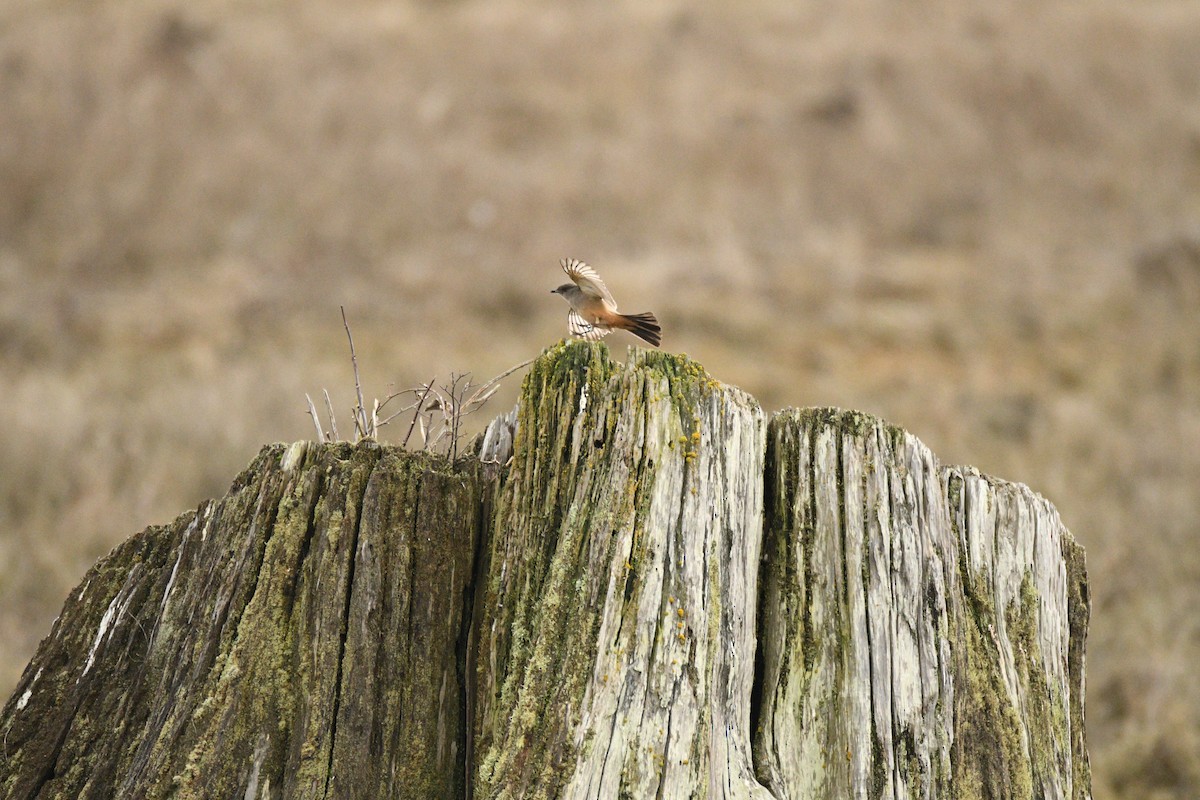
[302,637]
[921,627]
[618,650]
[640,589]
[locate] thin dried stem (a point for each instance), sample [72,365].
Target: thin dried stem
[337,437]
[438,410]
[360,412]
[420,409]
[393,395]
[440,404]
[395,414]
[312,412]
[502,376]
[454,415]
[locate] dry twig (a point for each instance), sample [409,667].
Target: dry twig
[312,412]
[332,419]
[360,412]
[438,410]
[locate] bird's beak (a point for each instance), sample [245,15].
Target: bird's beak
[554,291]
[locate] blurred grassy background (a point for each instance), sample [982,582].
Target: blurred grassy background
[979,221]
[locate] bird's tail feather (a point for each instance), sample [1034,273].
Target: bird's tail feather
[644,326]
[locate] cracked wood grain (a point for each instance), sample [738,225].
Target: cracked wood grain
[619,656]
[286,641]
[921,625]
[641,588]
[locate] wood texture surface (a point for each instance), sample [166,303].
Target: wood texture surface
[922,627]
[302,637]
[619,654]
[642,588]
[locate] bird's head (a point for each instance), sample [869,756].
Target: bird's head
[563,290]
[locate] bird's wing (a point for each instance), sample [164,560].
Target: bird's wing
[586,279]
[580,327]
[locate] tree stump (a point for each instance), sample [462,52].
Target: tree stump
[640,588]
[922,627]
[301,637]
[617,656]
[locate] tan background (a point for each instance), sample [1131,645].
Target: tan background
[981,221]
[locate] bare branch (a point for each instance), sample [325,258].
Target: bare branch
[457,413]
[476,400]
[395,414]
[420,408]
[337,437]
[312,412]
[504,375]
[440,435]
[440,402]
[438,410]
[360,413]
[393,395]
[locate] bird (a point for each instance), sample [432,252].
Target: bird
[593,313]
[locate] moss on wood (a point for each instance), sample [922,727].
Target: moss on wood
[295,638]
[883,574]
[357,621]
[608,582]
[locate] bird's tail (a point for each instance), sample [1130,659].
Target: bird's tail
[643,326]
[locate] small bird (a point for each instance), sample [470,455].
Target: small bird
[593,313]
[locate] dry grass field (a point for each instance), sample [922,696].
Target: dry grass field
[980,221]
